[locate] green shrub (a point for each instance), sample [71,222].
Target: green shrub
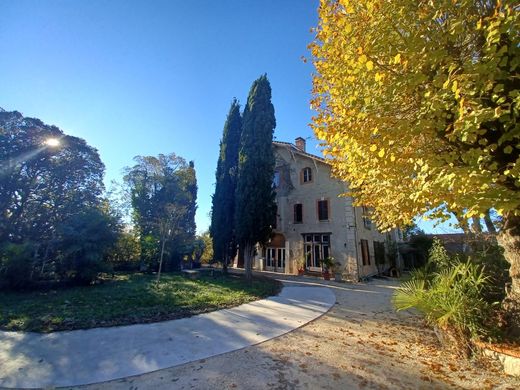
[149,252]
[438,256]
[85,238]
[124,254]
[16,265]
[421,245]
[491,257]
[449,293]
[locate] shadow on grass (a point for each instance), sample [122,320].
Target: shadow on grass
[67,358]
[127,299]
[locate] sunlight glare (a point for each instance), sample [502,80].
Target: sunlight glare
[53,142]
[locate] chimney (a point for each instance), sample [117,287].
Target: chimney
[300,143]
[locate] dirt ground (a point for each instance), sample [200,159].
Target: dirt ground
[361,343]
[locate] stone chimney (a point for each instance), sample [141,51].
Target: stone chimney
[300,143]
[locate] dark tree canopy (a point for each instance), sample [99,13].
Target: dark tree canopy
[223,210]
[43,188]
[255,205]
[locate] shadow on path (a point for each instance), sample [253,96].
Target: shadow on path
[95,355]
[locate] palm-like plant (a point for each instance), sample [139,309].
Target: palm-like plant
[450,296]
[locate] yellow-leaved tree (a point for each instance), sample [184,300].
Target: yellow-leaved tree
[417,104]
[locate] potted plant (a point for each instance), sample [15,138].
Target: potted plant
[300,265]
[327,265]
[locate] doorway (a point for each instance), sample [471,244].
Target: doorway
[275,259]
[317,248]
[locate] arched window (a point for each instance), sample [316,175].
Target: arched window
[306,175]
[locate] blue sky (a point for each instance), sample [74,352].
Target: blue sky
[149,77]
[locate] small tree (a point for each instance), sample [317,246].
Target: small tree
[255,206]
[207,244]
[169,223]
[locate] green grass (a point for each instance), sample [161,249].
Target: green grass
[126,299]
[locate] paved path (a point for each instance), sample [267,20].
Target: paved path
[360,343]
[32,360]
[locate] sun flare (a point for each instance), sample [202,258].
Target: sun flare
[53,142]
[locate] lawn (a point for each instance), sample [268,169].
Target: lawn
[126,299]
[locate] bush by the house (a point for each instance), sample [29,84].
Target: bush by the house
[452,293]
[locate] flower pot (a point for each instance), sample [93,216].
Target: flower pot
[326,275]
[301,271]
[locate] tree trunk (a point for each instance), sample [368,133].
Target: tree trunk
[509,239]
[248,261]
[45,257]
[489,223]
[160,261]
[225,266]
[475,224]
[463,223]
[229,256]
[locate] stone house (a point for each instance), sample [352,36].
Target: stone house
[315,222]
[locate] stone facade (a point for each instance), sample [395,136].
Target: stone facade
[314,221]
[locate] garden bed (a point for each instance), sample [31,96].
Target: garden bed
[127,299]
[507,354]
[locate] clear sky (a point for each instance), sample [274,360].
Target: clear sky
[149,77]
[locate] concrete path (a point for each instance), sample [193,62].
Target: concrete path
[360,343]
[79,357]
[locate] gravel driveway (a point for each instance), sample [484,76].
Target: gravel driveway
[361,343]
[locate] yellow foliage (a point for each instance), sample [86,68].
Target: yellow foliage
[432,85]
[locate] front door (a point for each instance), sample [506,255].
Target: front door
[317,248]
[275,259]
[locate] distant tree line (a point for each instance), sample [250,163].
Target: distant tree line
[57,224]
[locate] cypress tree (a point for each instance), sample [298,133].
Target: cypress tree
[223,208]
[255,206]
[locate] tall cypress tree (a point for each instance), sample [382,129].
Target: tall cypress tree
[255,206]
[223,210]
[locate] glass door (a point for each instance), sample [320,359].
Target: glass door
[317,248]
[275,259]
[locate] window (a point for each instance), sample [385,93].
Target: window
[366,218]
[317,248]
[276,179]
[323,210]
[379,252]
[298,213]
[365,254]
[306,175]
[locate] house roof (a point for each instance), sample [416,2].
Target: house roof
[293,149]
